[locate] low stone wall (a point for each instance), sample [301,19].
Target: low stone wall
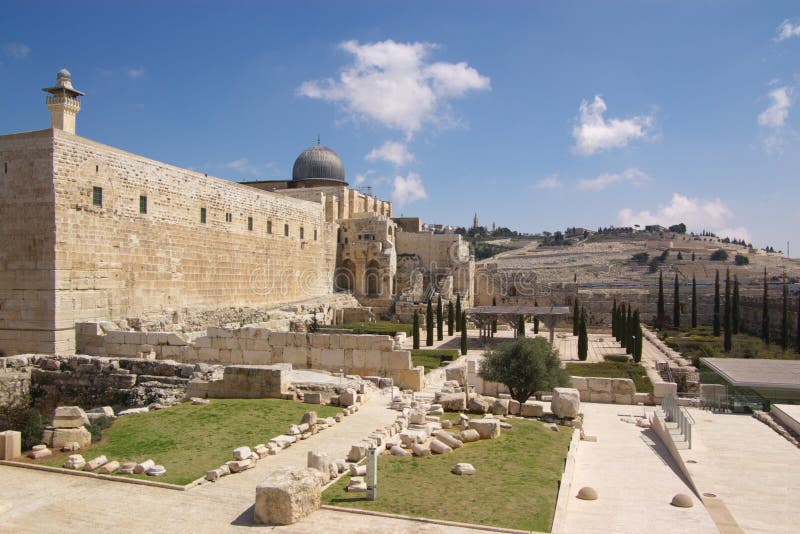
[14,386]
[365,355]
[91,381]
[609,390]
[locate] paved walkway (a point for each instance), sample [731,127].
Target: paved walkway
[755,471]
[35,501]
[634,477]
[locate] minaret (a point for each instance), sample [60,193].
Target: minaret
[475,220]
[63,102]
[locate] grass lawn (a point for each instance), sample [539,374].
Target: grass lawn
[387,328]
[189,440]
[701,343]
[634,371]
[432,358]
[516,484]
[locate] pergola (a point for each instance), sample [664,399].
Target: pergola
[484,316]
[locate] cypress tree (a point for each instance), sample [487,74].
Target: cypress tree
[629,332]
[676,305]
[494,323]
[614,318]
[583,338]
[735,307]
[797,339]
[535,320]
[458,313]
[415,329]
[785,318]
[660,313]
[726,322]
[716,306]
[521,326]
[576,317]
[429,324]
[694,301]
[439,320]
[765,312]
[621,325]
[463,322]
[450,318]
[637,347]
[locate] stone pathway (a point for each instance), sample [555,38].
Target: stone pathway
[35,501]
[634,477]
[751,468]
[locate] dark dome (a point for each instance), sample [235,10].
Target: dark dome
[318,163]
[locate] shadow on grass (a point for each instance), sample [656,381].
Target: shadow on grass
[349,499]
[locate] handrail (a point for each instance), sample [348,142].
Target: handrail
[678,414]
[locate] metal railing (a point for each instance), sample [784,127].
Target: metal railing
[677,414]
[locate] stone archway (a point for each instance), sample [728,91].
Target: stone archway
[345,279]
[373,279]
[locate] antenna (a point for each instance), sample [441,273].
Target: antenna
[318,140]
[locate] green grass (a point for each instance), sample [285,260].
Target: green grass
[634,371]
[378,327]
[189,440]
[516,484]
[701,343]
[432,358]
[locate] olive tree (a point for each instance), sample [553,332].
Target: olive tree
[524,366]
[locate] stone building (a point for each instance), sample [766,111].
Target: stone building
[93,233]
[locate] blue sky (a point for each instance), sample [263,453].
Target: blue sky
[537,115]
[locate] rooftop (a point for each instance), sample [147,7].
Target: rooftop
[753,373]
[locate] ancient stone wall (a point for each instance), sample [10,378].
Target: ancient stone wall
[27,243]
[365,355]
[441,256]
[91,382]
[255,248]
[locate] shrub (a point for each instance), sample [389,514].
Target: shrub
[97,426]
[741,259]
[719,255]
[619,358]
[641,258]
[25,419]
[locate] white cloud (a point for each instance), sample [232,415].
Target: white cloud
[551,182]
[394,84]
[361,178]
[777,112]
[244,166]
[407,189]
[135,73]
[632,176]
[16,51]
[393,152]
[698,214]
[787,30]
[593,133]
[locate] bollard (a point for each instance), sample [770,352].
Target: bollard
[372,474]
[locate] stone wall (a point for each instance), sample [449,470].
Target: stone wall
[71,258]
[27,243]
[439,257]
[609,390]
[91,382]
[365,355]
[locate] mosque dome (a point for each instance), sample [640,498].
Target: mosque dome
[318,163]
[63,74]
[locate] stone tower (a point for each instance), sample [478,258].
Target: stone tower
[63,102]
[475,221]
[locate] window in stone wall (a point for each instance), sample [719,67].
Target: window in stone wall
[286,230]
[97,196]
[269,227]
[315,234]
[228,217]
[142,204]
[302,232]
[5,165]
[250,223]
[203,215]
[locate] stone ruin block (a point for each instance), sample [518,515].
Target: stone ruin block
[287,495]
[10,445]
